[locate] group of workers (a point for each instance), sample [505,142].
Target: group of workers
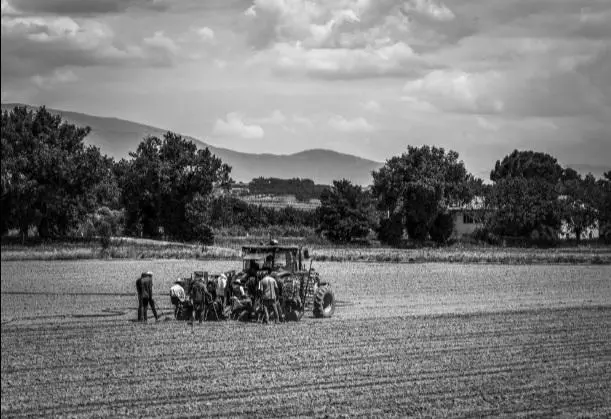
[242,297]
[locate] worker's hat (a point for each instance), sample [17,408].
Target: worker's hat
[179,281]
[280,274]
[147,273]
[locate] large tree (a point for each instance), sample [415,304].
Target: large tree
[162,178]
[528,165]
[579,198]
[416,188]
[50,179]
[524,198]
[603,204]
[346,212]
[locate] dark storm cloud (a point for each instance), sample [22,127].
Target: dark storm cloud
[84,7]
[41,45]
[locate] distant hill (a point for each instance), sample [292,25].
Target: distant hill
[117,137]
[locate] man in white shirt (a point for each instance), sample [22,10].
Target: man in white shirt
[177,296]
[268,289]
[221,284]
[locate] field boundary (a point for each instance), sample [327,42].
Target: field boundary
[136,249]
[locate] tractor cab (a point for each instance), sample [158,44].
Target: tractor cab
[272,258]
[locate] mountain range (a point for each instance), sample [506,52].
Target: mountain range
[117,137]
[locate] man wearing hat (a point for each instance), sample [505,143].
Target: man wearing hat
[146,295]
[199,294]
[139,290]
[177,296]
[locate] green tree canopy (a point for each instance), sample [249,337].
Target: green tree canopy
[415,188]
[50,179]
[346,212]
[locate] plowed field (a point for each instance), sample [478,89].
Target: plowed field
[407,340]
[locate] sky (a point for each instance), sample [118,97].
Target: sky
[364,77]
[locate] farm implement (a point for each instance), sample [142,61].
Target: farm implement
[300,288]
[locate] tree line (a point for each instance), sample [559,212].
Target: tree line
[302,189]
[413,195]
[55,185]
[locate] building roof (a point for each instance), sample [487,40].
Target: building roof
[477,203]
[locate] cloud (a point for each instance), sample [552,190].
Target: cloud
[83,7]
[302,120]
[429,8]
[335,39]
[523,91]
[234,126]
[221,64]
[162,43]
[457,91]
[205,34]
[59,76]
[486,124]
[360,124]
[372,106]
[40,45]
[333,63]
[275,118]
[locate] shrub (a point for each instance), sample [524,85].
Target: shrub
[442,228]
[104,230]
[390,231]
[205,235]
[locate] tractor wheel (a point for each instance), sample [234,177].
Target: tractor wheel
[324,302]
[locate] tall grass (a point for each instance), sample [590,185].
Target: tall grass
[228,248]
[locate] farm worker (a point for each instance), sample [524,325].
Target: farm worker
[221,284]
[198,297]
[279,296]
[177,295]
[139,290]
[268,288]
[146,287]
[252,288]
[241,304]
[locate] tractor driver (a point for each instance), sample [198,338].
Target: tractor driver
[253,268]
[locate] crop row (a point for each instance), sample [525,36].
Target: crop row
[486,364]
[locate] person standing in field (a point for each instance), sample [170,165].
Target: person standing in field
[268,288]
[146,287]
[221,284]
[139,290]
[177,296]
[198,298]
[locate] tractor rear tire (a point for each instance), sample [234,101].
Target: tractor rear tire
[324,302]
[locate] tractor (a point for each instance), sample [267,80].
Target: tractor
[301,289]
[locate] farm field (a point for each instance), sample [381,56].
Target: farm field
[407,340]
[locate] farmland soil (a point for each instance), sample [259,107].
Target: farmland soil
[406,340]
